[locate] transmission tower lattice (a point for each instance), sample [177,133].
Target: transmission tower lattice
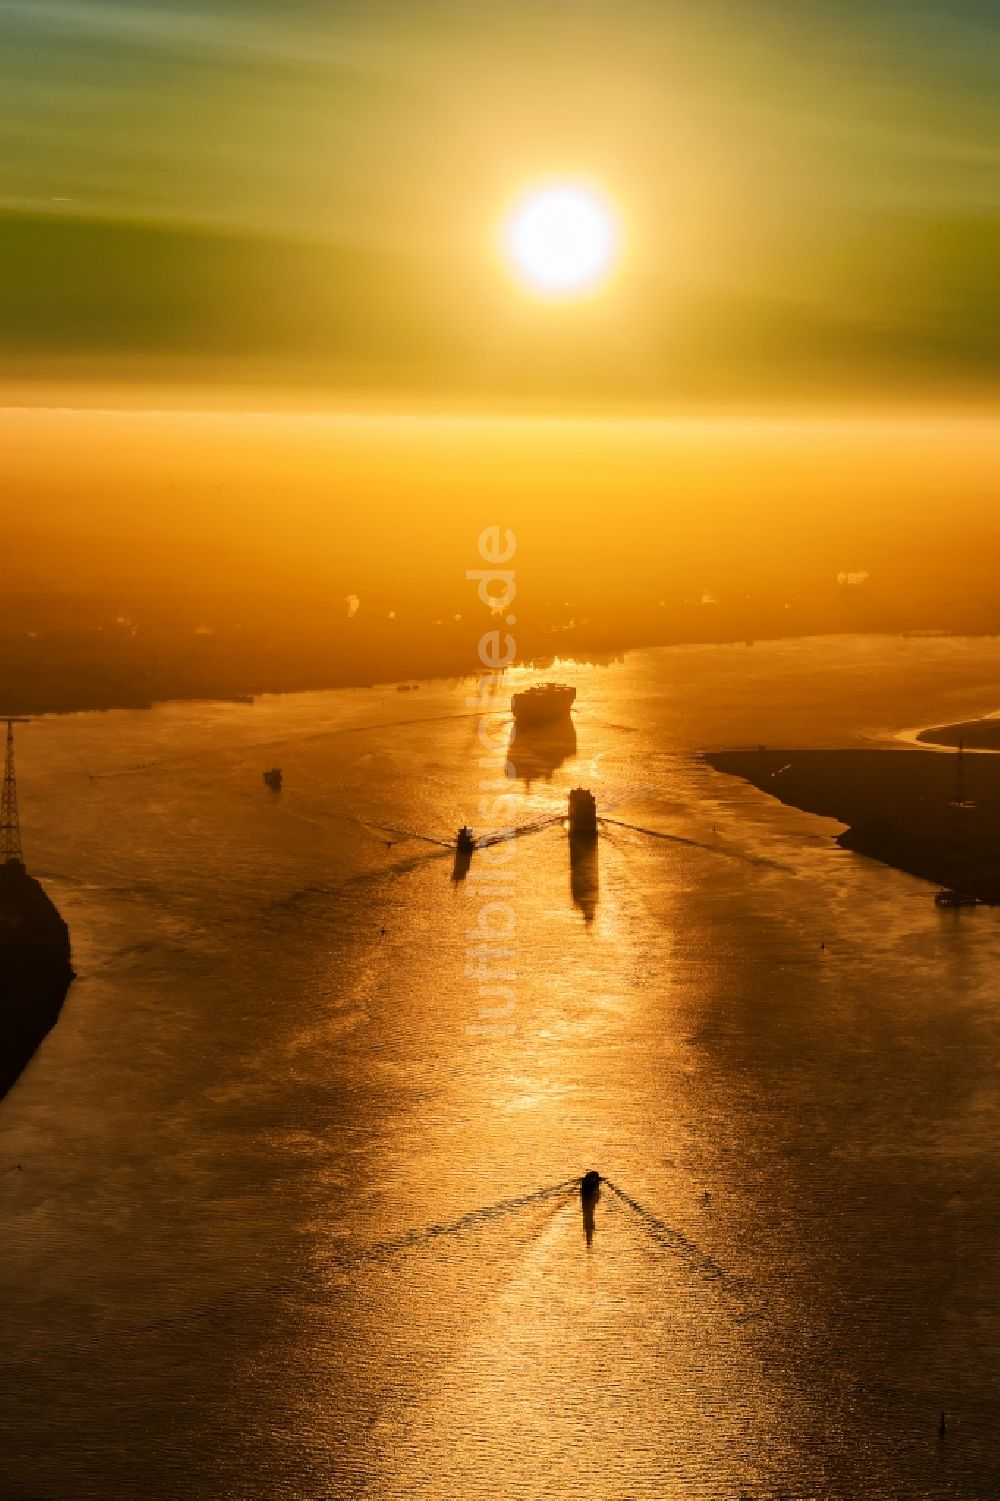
[10,826]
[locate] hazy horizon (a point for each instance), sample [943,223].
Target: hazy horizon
[305,550]
[264,349]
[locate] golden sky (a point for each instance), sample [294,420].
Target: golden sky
[286,219]
[305,197]
[140,503]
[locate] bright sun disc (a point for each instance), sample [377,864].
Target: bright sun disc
[561,239]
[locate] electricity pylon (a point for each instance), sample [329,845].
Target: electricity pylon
[10,826]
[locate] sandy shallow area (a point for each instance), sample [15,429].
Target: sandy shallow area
[973,734]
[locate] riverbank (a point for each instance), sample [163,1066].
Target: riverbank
[973,734]
[50,677]
[35,966]
[917,811]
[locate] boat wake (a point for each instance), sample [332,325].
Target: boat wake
[698,844]
[561,1195]
[667,1236]
[412,1239]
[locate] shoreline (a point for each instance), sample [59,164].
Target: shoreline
[981,734]
[70,691]
[931,816]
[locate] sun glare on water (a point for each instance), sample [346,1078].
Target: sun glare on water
[561,240]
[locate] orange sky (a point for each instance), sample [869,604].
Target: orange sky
[100,497]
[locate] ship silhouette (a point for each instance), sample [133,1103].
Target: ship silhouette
[542,703]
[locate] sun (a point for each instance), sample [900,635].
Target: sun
[562,239]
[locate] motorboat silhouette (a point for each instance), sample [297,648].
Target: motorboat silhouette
[590,1193]
[590,1185]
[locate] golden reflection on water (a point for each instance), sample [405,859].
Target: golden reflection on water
[585,885]
[349,1252]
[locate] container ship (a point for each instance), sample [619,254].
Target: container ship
[35,968]
[542,704]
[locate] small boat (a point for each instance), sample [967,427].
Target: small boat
[466,840]
[955,899]
[590,1185]
[590,1195]
[272,778]
[242,698]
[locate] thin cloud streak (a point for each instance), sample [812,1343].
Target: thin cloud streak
[182,31]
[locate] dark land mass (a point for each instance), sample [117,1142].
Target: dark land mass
[933,816]
[35,969]
[62,651]
[973,734]
[116,665]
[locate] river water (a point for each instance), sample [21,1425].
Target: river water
[283,1218]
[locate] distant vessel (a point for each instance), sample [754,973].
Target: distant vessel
[582,814]
[242,698]
[35,968]
[465,843]
[272,778]
[955,899]
[544,702]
